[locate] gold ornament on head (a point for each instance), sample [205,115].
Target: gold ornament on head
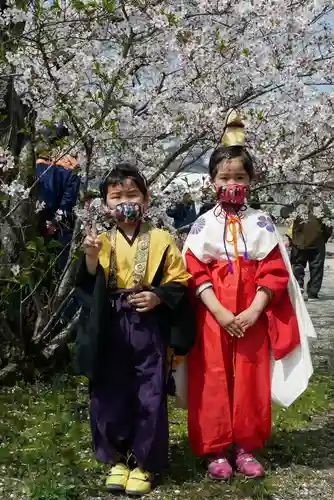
[234,130]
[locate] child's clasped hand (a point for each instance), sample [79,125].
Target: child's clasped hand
[228,321]
[237,325]
[247,318]
[144,301]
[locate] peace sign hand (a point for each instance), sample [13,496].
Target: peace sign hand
[92,244]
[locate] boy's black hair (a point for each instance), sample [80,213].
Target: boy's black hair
[118,174]
[227,153]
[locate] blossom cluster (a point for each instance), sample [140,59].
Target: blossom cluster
[6,160]
[152,83]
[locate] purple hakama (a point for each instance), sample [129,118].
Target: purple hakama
[128,401]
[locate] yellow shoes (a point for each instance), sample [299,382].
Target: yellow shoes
[118,477]
[139,483]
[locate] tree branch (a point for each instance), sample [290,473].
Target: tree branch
[318,150]
[182,168]
[183,149]
[40,336]
[61,338]
[293,183]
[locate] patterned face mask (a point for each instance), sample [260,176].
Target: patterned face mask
[233,194]
[130,213]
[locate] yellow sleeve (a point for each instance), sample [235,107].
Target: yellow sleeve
[174,269]
[104,255]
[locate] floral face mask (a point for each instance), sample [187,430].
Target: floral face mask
[127,212]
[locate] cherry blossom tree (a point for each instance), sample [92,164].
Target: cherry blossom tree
[151,82]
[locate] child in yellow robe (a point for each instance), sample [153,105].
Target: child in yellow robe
[135,285]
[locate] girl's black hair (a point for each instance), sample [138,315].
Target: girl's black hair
[227,153]
[118,174]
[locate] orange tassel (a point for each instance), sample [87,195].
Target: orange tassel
[233,225]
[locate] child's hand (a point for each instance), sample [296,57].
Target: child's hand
[248,318]
[92,244]
[228,321]
[145,301]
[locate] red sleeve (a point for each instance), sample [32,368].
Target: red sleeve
[282,320]
[273,274]
[198,270]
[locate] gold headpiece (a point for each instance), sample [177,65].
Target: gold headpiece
[234,130]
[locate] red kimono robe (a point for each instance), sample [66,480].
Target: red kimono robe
[229,398]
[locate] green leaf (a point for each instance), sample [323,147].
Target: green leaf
[47,123]
[172,19]
[97,68]
[113,127]
[23,278]
[78,5]
[80,379]
[31,245]
[40,242]
[221,46]
[245,52]
[54,244]
[40,260]
[109,5]
[55,5]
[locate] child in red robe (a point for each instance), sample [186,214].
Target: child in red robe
[244,318]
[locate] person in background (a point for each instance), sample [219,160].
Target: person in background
[58,189]
[135,284]
[183,213]
[308,240]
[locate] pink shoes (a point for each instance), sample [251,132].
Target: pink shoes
[219,467]
[247,464]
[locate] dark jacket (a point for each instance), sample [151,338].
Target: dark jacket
[58,184]
[311,234]
[183,214]
[175,317]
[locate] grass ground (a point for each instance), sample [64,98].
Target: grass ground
[45,449]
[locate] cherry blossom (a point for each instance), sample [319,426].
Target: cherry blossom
[152,83]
